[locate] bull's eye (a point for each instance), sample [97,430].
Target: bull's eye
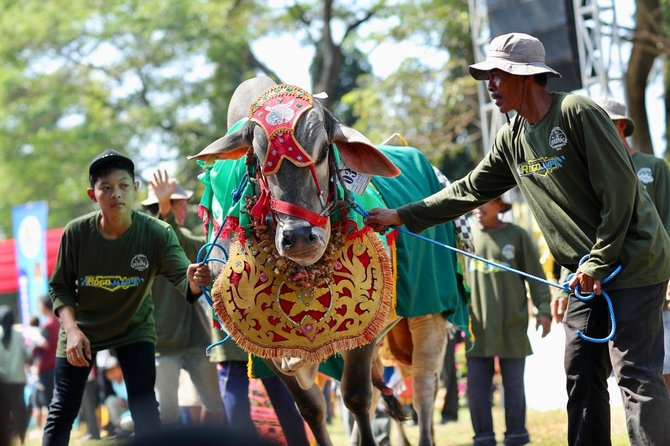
[323,155]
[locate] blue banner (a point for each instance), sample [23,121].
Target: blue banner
[30,221]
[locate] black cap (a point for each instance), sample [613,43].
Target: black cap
[107,157]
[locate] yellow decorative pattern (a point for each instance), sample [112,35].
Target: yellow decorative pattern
[270,317]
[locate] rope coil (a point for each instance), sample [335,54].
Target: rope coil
[564,286]
[237,194]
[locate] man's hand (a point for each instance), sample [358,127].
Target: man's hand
[163,187]
[545,322]
[78,347]
[78,350]
[587,284]
[379,219]
[198,275]
[558,307]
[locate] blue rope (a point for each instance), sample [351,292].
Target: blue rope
[587,297]
[236,195]
[564,286]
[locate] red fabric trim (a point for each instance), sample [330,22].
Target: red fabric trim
[298,211]
[203,214]
[9,282]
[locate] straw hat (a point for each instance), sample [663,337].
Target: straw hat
[179,194]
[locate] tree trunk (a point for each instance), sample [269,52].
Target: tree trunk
[639,66]
[331,55]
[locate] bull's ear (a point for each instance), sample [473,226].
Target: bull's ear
[359,154]
[232,146]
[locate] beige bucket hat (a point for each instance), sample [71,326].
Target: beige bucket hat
[617,112]
[179,194]
[514,53]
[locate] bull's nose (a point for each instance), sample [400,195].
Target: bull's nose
[286,242]
[293,237]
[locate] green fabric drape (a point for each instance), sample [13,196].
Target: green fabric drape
[420,262]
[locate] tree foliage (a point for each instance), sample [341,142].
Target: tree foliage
[154,78]
[648,31]
[81,76]
[434,106]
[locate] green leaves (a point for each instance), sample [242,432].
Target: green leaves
[153,78]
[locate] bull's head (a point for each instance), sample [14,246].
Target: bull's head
[291,135]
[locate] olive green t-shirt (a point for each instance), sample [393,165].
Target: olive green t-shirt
[654,175]
[108,282]
[179,324]
[578,181]
[498,299]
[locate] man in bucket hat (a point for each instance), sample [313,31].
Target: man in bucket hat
[654,174]
[564,153]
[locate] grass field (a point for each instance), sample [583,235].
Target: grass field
[547,428]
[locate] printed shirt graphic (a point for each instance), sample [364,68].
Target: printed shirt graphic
[111,283]
[541,166]
[568,193]
[108,282]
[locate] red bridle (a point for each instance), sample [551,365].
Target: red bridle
[277,111]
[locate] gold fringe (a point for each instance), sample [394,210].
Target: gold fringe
[374,328]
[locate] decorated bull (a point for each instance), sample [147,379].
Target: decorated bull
[305,279]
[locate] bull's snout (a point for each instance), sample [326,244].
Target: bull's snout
[292,238]
[302,243]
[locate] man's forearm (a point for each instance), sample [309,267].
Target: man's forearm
[66,316]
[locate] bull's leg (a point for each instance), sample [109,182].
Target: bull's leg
[429,337]
[356,388]
[311,404]
[401,436]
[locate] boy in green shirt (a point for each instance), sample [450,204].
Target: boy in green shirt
[100,287]
[499,321]
[563,152]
